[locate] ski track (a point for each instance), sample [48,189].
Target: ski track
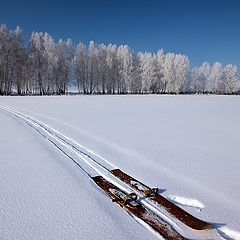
[228,233]
[85,159]
[80,155]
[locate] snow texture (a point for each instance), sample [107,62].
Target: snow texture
[188,145]
[186,202]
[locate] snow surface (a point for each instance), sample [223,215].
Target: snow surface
[187,202]
[188,145]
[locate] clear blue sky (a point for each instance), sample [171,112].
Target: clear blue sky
[202,29]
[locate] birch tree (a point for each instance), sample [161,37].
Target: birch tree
[125,60]
[204,74]
[216,76]
[169,72]
[231,79]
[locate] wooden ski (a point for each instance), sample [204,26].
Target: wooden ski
[137,210]
[158,199]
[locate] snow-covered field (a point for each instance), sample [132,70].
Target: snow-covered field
[186,145]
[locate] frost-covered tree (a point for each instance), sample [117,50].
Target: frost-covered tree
[13,61]
[64,60]
[125,59]
[40,63]
[51,61]
[44,66]
[92,71]
[136,75]
[81,61]
[148,69]
[216,76]
[169,73]
[195,84]
[160,58]
[181,64]
[204,77]
[6,60]
[102,68]
[231,79]
[112,75]
[18,61]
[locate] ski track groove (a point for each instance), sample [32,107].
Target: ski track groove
[96,167]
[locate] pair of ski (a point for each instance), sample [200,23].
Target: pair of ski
[131,204]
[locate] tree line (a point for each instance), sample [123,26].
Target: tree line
[42,66]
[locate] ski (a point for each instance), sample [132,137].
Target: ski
[153,195]
[136,209]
